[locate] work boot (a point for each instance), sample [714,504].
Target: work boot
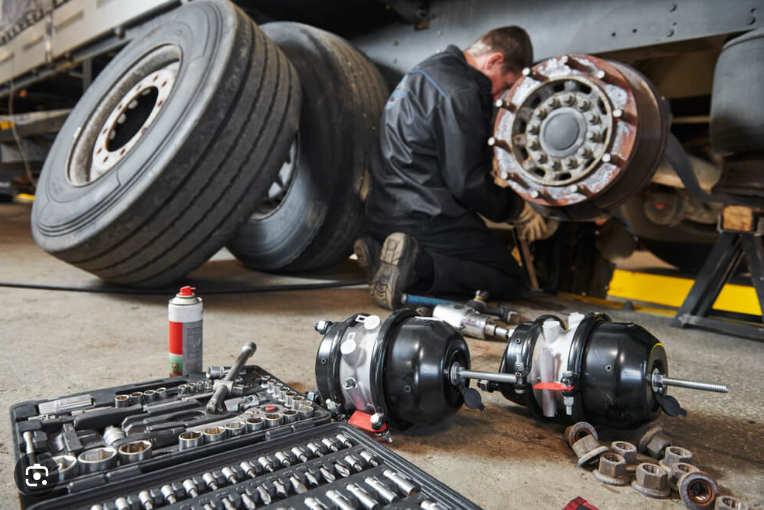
[367,251]
[396,270]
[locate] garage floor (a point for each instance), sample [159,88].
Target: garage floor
[56,343]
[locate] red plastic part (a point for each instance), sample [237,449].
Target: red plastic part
[363,422]
[554,386]
[186,291]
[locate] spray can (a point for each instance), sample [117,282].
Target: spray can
[185,340]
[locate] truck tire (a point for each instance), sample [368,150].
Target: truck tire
[736,106]
[170,149]
[315,211]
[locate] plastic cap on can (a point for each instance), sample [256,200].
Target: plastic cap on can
[186,291]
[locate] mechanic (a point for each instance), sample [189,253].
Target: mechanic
[431,179]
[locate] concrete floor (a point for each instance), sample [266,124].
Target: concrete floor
[56,343]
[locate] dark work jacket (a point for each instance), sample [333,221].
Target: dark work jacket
[432,162]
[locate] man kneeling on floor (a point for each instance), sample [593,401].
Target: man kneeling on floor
[431,176]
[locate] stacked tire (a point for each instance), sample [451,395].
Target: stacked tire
[175,149]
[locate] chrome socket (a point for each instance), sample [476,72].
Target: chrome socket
[234,428]
[272,420]
[135,451]
[97,459]
[290,416]
[112,434]
[136,397]
[199,387]
[363,497]
[183,389]
[67,467]
[254,424]
[122,401]
[161,393]
[381,489]
[150,396]
[289,398]
[190,439]
[306,411]
[213,434]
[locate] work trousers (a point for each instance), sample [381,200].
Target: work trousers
[466,257]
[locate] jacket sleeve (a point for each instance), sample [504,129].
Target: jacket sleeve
[465,158]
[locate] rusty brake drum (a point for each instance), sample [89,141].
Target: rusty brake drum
[577,136]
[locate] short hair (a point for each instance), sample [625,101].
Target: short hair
[512,42]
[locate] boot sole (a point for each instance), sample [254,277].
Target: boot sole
[398,251]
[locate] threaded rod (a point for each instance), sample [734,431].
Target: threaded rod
[662,380]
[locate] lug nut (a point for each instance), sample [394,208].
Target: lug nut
[730,503]
[673,455]
[629,453]
[588,450]
[612,470]
[533,129]
[678,471]
[652,480]
[571,162]
[654,442]
[698,490]
[584,152]
[593,118]
[593,136]
[569,99]
[540,113]
[584,105]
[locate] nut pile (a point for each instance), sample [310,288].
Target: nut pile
[659,468]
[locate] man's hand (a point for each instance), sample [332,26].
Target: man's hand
[530,225]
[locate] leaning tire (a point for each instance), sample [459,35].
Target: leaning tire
[314,212]
[736,106]
[143,185]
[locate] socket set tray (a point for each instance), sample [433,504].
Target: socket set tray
[101,437]
[332,466]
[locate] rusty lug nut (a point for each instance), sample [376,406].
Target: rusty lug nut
[498,142]
[678,471]
[584,152]
[623,115]
[654,442]
[571,162]
[533,145]
[674,455]
[508,105]
[584,105]
[569,99]
[593,118]
[652,480]
[532,73]
[533,129]
[612,470]
[588,450]
[540,113]
[542,158]
[593,136]
[612,159]
[629,453]
[730,503]
[578,431]
[698,490]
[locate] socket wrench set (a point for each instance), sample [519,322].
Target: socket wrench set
[95,438]
[332,466]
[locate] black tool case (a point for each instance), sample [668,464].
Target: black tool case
[277,472]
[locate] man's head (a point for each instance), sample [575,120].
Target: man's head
[501,55]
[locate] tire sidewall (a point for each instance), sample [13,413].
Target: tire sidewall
[65,216]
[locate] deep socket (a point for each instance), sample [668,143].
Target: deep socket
[381,489]
[403,484]
[363,497]
[339,500]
